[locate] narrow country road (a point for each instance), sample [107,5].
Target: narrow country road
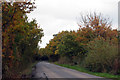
[48,70]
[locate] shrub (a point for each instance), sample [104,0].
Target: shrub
[64,60]
[101,55]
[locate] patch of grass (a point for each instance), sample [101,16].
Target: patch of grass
[81,69]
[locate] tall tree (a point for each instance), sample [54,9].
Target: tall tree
[20,37]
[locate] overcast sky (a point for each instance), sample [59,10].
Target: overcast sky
[56,15]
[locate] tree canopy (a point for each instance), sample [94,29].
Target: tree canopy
[20,37]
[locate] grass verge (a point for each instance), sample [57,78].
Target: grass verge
[81,69]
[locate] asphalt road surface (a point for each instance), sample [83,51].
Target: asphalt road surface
[48,70]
